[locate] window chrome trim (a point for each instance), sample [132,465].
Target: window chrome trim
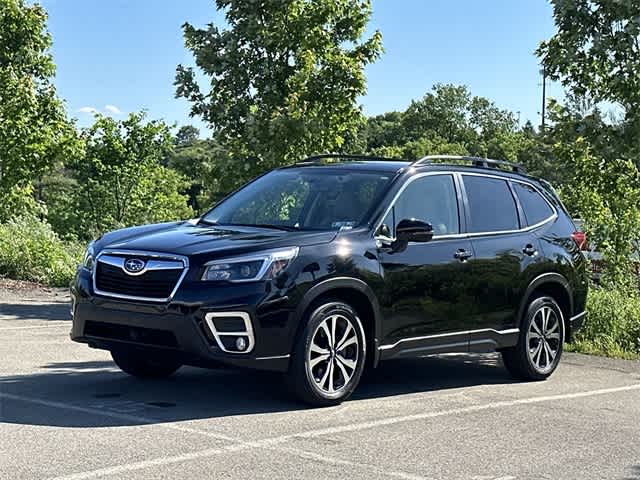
[551,218]
[109,253]
[208,318]
[397,195]
[509,331]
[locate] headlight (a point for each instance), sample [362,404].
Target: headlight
[87,260]
[249,268]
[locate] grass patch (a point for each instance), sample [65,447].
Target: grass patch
[612,326]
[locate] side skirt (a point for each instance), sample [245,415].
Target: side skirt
[476,341]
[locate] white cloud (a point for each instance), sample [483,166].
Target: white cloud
[113,109]
[88,110]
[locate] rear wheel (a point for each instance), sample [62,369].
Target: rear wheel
[541,342]
[329,357]
[144,365]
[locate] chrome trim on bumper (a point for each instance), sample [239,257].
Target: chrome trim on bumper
[277,357]
[577,317]
[208,318]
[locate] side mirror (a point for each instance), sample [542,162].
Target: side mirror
[413,230]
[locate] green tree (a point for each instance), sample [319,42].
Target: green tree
[34,131]
[198,161]
[595,51]
[453,114]
[284,78]
[120,179]
[606,194]
[187,135]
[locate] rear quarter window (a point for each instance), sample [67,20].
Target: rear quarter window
[536,208]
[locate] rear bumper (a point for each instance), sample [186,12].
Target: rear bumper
[179,329]
[576,322]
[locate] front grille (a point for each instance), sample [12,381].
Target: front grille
[113,331]
[156,282]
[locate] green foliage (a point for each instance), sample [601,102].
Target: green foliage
[186,135]
[18,201]
[284,79]
[606,194]
[448,120]
[120,179]
[30,250]
[198,161]
[34,132]
[612,326]
[595,50]
[58,192]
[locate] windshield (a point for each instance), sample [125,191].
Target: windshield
[304,199]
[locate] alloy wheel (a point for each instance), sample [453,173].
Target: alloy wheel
[332,358]
[544,339]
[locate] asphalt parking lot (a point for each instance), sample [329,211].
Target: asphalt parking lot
[67,413]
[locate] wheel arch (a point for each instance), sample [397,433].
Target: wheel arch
[355,293]
[556,286]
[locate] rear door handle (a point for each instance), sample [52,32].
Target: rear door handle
[529,250]
[463,255]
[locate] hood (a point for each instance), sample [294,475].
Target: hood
[187,238]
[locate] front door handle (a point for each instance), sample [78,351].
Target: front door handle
[529,250]
[463,255]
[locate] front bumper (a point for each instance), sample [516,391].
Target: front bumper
[179,328]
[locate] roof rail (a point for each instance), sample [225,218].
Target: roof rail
[476,162]
[346,157]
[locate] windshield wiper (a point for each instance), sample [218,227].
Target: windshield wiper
[286,228]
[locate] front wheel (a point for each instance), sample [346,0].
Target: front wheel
[143,365]
[541,342]
[329,357]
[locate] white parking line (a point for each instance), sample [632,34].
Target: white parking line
[48,325]
[272,442]
[115,415]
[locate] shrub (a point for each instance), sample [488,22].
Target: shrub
[612,326]
[30,250]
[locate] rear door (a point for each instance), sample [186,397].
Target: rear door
[506,251]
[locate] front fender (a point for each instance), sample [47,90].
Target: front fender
[342,284]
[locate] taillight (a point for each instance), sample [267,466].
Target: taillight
[580,238]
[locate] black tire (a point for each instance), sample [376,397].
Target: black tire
[143,365]
[306,380]
[526,361]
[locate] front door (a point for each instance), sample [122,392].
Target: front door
[424,292]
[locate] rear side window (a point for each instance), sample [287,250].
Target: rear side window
[536,209]
[493,208]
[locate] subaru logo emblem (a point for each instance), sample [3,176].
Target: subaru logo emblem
[134,265]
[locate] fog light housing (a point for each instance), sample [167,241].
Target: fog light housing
[241,344]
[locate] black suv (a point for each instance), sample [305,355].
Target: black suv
[324,268]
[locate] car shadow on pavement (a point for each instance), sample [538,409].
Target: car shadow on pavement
[97,394]
[40,311]
[635,473]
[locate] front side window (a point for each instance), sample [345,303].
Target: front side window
[431,199]
[302,199]
[492,206]
[536,209]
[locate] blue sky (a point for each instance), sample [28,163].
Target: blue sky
[118,56]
